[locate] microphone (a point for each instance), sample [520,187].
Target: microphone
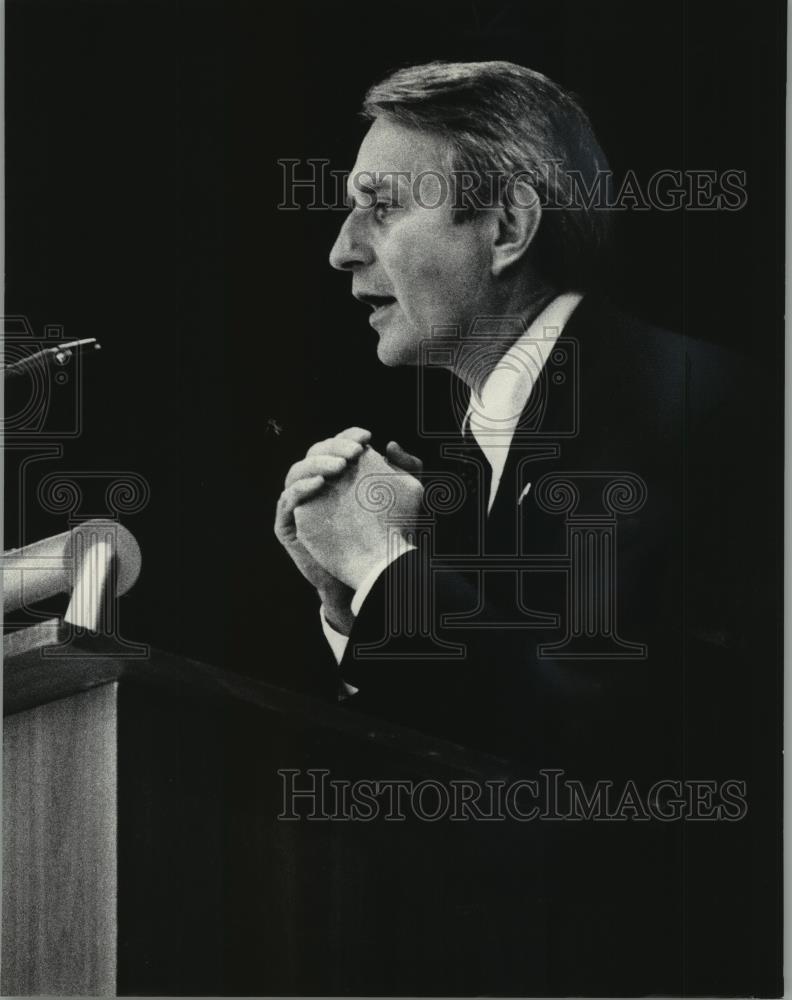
[59,356]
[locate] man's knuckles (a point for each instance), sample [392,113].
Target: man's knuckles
[358,434]
[316,465]
[339,446]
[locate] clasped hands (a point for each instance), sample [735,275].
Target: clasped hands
[337,511]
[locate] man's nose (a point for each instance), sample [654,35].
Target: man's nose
[350,249]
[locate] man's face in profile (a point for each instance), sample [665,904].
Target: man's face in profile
[410,261]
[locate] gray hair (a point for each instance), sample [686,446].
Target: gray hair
[501,121]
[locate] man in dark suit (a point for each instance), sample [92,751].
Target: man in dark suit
[577,579]
[545,606]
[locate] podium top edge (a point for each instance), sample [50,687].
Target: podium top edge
[40,676]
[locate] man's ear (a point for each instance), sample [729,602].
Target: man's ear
[518,222]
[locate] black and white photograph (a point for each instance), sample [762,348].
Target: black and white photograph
[394,498]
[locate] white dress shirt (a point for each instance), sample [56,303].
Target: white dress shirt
[492,418]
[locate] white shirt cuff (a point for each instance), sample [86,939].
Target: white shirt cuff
[338,644]
[335,640]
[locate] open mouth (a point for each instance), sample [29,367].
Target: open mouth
[379,306]
[377,302]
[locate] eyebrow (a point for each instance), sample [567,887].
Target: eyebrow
[388,181]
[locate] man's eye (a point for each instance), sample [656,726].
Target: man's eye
[382,208]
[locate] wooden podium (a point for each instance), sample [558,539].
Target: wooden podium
[148,848]
[144,853]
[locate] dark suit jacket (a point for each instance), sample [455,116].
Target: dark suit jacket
[637,444]
[649,530]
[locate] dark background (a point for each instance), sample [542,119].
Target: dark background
[142,193]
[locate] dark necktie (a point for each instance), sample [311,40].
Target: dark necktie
[478,464]
[460,531]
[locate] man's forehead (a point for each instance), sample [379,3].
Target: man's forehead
[391,148]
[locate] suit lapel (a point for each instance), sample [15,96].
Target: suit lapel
[550,436]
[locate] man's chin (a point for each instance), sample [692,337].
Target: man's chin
[393,355]
[397,343]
